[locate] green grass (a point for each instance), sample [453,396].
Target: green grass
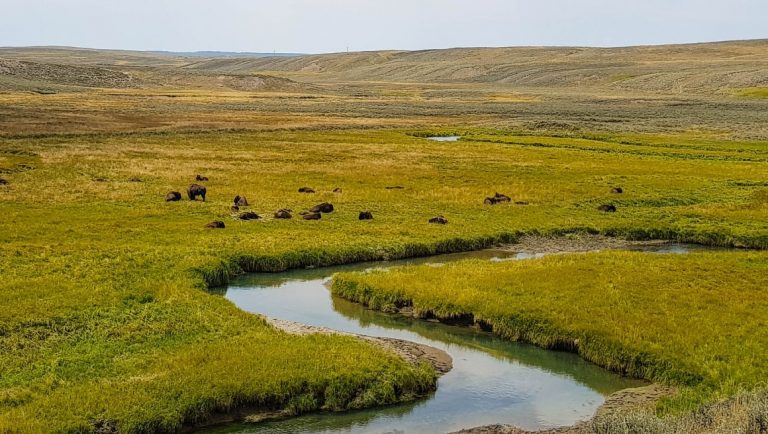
[696,321]
[104,313]
[753,92]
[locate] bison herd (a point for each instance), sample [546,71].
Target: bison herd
[316,212]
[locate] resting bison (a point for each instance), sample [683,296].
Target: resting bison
[173,196]
[306,190]
[617,190]
[217,224]
[241,201]
[394,187]
[365,215]
[195,190]
[324,207]
[497,198]
[337,190]
[201,178]
[283,214]
[607,208]
[3,181]
[312,216]
[235,208]
[132,179]
[440,220]
[249,215]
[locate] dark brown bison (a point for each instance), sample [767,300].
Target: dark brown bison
[216,224]
[283,214]
[201,178]
[440,220]
[306,190]
[249,215]
[324,207]
[3,181]
[337,190]
[241,201]
[497,198]
[607,208]
[617,190]
[521,202]
[312,216]
[134,179]
[173,196]
[195,190]
[394,187]
[365,215]
[235,208]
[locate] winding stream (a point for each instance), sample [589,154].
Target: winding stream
[492,380]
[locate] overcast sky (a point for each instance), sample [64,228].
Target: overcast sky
[316,26]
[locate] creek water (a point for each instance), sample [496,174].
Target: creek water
[444,138]
[492,381]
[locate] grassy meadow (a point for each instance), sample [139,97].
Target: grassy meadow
[109,317]
[106,317]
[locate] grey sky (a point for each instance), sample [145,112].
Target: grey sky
[313,26]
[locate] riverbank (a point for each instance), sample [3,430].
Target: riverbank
[656,317]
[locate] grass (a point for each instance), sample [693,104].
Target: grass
[104,317]
[753,92]
[696,321]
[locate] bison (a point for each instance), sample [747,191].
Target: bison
[394,187]
[324,207]
[306,190]
[3,181]
[617,190]
[365,215]
[241,201]
[201,178]
[216,224]
[283,214]
[337,190]
[312,216]
[607,208]
[173,196]
[497,198]
[195,190]
[249,215]
[440,220]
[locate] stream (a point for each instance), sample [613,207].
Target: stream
[493,381]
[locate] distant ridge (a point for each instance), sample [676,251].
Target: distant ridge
[224,54]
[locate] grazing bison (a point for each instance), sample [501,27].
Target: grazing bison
[324,207]
[365,215]
[249,215]
[497,198]
[216,224]
[201,178]
[195,190]
[241,201]
[440,220]
[306,190]
[173,196]
[312,216]
[337,190]
[617,190]
[607,208]
[283,214]
[3,181]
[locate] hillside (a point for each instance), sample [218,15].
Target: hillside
[697,68]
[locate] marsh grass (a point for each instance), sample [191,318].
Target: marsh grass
[104,314]
[695,321]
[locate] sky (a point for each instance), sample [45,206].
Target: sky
[321,26]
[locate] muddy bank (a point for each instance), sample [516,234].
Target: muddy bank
[573,243]
[411,351]
[628,399]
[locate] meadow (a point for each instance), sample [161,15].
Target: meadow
[109,317]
